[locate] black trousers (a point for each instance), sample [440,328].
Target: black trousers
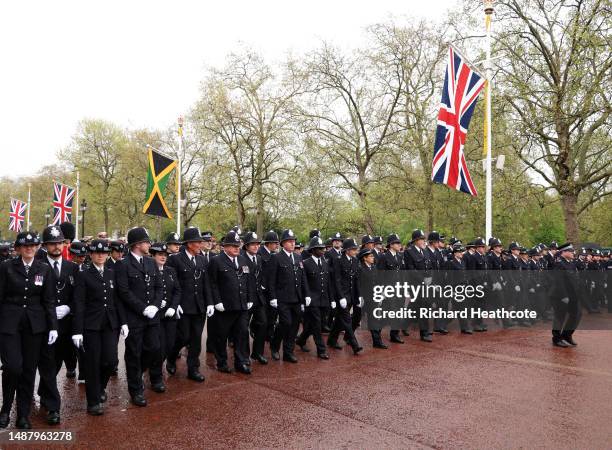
[271,319]
[229,325]
[259,329]
[342,322]
[167,336]
[189,333]
[288,325]
[19,353]
[99,356]
[312,327]
[422,322]
[142,351]
[356,317]
[566,318]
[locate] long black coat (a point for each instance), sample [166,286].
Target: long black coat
[286,281]
[171,291]
[195,286]
[346,277]
[64,291]
[256,270]
[319,282]
[231,286]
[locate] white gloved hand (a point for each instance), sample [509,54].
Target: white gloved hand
[427,280]
[163,304]
[497,286]
[274,303]
[125,331]
[179,312]
[77,340]
[532,290]
[302,308]
[210,310]
[62,311]
[565,300]
[485,283]
[592,286]
[52,337]
[517,288]
[249,305]
[308,301]
[342,303]
[169,312]
[150,311]
[333,305]
[538,285]
[361,301]
[219,307]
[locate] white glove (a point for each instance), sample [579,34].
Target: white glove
[179,312]
[532,290]
[333,305]
[605,285]
[427,280]
[592,287]
[565,300]
[169,312]
[360,302]
[52,337]
[274,303]
[62,311]
[150,311]
[210,310]
[485,283]
[125,331]
[163,304]
[249,305]
[308,300]
[497,286]
[219,307]
[517,288]
[77,340]
[302,308]
[342,303]
[538,285]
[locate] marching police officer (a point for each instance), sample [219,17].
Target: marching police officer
[98,317]
[207,247]
[116,254]
[173,243]
[233,294]
[78,254]
[139,289]
[367,264]
[495,277]
[566,305]
[392,259]
[27,315]
[195,305]
[456,263]
[478,262]
[265,252]
[435,245]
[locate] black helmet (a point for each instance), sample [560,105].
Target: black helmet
[158,247]
[364,252]
[328,242]
[494,242]
[78,248]
[523,251]
[336,237]
[479,242]
[377,240]
[118,246]
[137,235]
[271,236]
[553,245]
[533,251]
[316,242]
[314,233]
[416,235]
[470,244]
[237,229]
[348,244]
[288,235]
[453,240]
[433,236]
[251,238]
[393,239]
[51,234]
[208,235]
[27,238]
[514,246]
[173,238]
[366,239]
[68,230]
[458,247]
[191,234]
[231,238]
[99,246]
[298,244]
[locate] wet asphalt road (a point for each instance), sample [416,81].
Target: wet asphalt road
[499,389]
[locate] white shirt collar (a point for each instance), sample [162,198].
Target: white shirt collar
[287,253]
[138,258]
[99,268]
[52,261]
[315,259]
[189,255]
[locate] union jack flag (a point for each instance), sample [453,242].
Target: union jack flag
[17,215]
[461,88]
[62,203]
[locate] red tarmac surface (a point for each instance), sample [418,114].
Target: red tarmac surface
[500,389]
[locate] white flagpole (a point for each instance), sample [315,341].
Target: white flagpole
[489,180]
[29,201]
[75,207]
[178,176]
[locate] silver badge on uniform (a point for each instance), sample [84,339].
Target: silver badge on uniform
[38,280]
[71,280]
[245,269]
[111,284]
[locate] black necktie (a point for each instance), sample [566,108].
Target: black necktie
[319,263]
[254,260]
[56,268]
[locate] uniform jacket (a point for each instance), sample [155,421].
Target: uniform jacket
[319,282]
[195,286]
[256,270]
[286,281]
[231,286]
[346,277]
[64,291]
[171,291]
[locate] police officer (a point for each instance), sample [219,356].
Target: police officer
[495,277]
[98,317]
[116,254]
[393,260]
[53,356]
[566,305]
[171,298]
[27,322]
[320,290]
[367,265]
[78,253]
[139,289]
[313,233]
[233,295]
[195,305]
[435,245]
[173,243]
[456,263]
[378,247]
[287,292]
[478,262]
[207,247]
[265,252]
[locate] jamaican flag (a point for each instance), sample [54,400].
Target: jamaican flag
[160,168]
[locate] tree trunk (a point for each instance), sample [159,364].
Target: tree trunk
[569,203]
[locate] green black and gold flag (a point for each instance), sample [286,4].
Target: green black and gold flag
[160,168]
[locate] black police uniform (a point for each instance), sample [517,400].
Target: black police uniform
[418,259]
[346,282]
[566,305]
[171,298]
[258,318]
[478,263]
[271,313]
[389,261]
[455,264]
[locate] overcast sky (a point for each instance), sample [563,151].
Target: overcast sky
[139,63]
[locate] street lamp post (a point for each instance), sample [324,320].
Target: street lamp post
[83,209]
[47,216]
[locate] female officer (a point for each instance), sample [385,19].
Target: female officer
[97,319]
[27,312]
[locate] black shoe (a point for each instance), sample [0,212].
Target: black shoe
[561,343]
[441,330]
[171,367]
[479,329]
[570,341]
[405,332]
[426,338]
[259,358]
[23,423]
[275,356]
[224,369]
[4,419]
[396,339]
[304,348]
[381,345]
[70,373]
[53,418]
[357,349]
[103,397]
[467,332]
[290,358]
[160,387]
[244,369]
[196,376]
[95,410]
[139,400]
[323,356]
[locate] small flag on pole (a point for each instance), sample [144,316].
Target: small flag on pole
[462,84]
[63,197]
[160,168]
[17,215]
